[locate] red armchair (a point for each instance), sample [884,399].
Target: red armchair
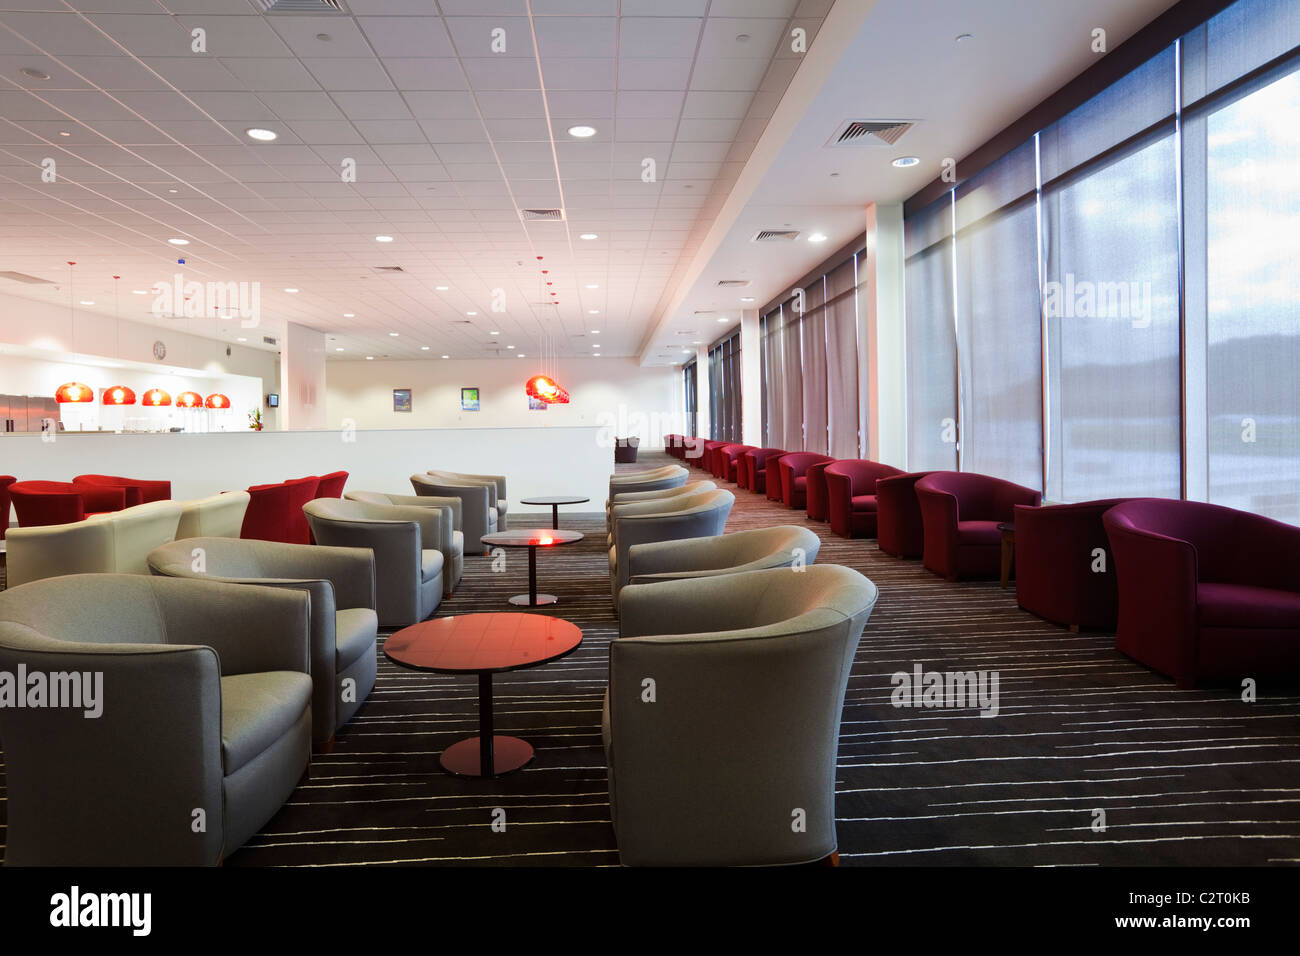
[5,482]
[138,490]
[755,462]
[772,485]
[331,485]
[899,529]
[1206,592]
[851,496]
[39,503]
[707,448]
[1064,570]
[818,506]
[960,512]
[275,511]
[729,459]
[793,469]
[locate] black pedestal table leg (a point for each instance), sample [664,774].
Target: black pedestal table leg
[486,759]
[555,517]
[532,576]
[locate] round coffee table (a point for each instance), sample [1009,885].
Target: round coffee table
[555,501]
[532,539]
[483,644]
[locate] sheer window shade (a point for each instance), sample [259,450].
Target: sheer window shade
[842,360]
[931,340]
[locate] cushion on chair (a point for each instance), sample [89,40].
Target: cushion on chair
[979,533]
[354,634]
[1245,605]
[864,502]
[430,564]
[257,710]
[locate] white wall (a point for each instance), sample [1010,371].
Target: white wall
[551,461]
[615,392]
[302,378]
[751,384]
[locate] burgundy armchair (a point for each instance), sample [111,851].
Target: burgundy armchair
[756,467]
[729,459]
[793,469]
[1064,570]
[38,503]
[1206,592]
[705,460]
[139,491]
[899,529]
[851,496]
[331,485]
[5,482]
[960,512]
[772,487]
[818,506]
[275,511]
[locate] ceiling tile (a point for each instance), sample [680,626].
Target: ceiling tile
[420,73]
[423,36]
[656,37]
[270,73]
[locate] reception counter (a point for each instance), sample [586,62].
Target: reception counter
[535,461]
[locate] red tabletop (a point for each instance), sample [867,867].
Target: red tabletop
[531,537]
[482,643]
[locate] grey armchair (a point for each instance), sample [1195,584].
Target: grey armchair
[220,516]
[205,715]
[344,625]
[652,479]
[408,575]
[497,483]
[780,547]
[478,508]
[628,497]
[688,516]
[733,764]
[451,537]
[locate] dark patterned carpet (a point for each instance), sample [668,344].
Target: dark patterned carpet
[1184,777]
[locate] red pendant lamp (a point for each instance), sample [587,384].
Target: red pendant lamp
[217,400]
[544,388]
[119,395]
[189,400]
[155,398]
[74,392]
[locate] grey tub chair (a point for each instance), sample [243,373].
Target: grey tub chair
[781,547]
[451,537]
[478,513]
[408,575]
[750,672]
[500,499]
[630,497]
[344,625]
[220,516]
[652,479]
[688,516]
[206,706]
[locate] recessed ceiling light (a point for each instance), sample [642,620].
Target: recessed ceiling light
[697,343]
[324,37]
[349,315]
[240,339]
[471,313]
[394,334]
[509,346]
[227,317]
[139,292]
[595,345]
[723,319]
[817,237]
[746,298]
[34,73]
[424,348]
[963,37]
[179,242]
[595,331]
[521,355]
[441,288]
[595,355]
[261,135]
[290,290]
[383,238]
[64,132]
[370,358]
[173,191]
[446,356]
[339,349]
[904,161]
[588,236]
[592,285]
[87,301]
[494,333]
[742,37]
[582,132]
[593,311]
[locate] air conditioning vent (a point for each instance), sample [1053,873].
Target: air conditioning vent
[691,332]
[25,278]
[387,269]
[776,235]
[870,133]
[300,6]
[270,340]
[733,283]
[551,214]
[705,312]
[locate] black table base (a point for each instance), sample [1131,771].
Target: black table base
[468,757]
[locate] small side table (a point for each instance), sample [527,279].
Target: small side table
[532,539]
[1008,529]
[555,501]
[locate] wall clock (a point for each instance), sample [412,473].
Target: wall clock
[159,350]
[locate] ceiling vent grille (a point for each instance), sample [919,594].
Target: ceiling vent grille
[301,6]
[733,283]
[387,269]
[24,278]
[270,340]
[870,133]
[776,235]
[553,215]
[705,312]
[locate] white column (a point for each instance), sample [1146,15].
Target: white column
[751,380]
[302,379]
[882,340]
[702,391]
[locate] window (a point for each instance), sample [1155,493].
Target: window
[724,390]
[691,385]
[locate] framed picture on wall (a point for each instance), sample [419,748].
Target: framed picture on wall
[401,399]
[469,399]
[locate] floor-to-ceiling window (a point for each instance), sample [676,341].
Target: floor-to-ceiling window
[724,390]
[691,389]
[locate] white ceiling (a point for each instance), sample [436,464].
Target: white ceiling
[888,60]
[450,139]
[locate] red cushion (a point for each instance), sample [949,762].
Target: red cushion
[331,485]
[979,533]
[267,515]
[864,502]
[1245,605]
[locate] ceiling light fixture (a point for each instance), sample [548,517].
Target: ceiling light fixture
[349,315]
[441,288]
[963,37]
[494,333]
[746,298]
[582,132]
[290,290]
[139,292]
[370,358]
[261,135]
[509,346]
[817,237]
[424,348]
[394,334]
[588,236]
[383,238]
[904,161]
[64,132]
[471,313]
[179,242]
[723,319]
[34,73]
[595,331]
[338,349]
[593,311]
[592,285]
[87,301]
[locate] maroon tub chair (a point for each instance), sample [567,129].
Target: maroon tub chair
[5,482]
[38,503]
[818,507]
[1206,592]
[1064,570]
[139,490]
[275,511]
[756,468]
[793,469]
[729,459]
[851,496]
[899,529]
[772,488]
[960,511]
[331,485]
[705,460]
